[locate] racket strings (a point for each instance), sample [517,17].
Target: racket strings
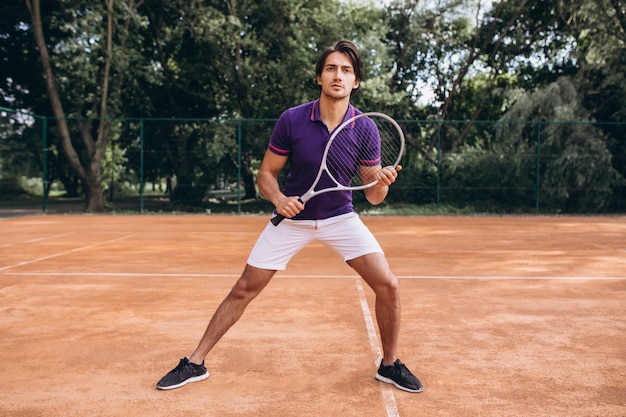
[359,151]
[391,140]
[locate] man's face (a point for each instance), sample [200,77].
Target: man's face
[337,79]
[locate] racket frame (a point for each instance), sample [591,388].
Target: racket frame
[312,192]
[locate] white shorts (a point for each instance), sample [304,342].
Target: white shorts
[346,234]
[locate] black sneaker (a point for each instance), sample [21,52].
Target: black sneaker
[183,374]
[398,375]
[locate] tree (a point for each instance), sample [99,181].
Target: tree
[451,46]
[78,74]
[576,171]
[243,60]
[599,28]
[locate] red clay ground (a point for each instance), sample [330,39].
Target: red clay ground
[502,316]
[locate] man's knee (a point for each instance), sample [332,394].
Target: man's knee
[250,284]
[387,288]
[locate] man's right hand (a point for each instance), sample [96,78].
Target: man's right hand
[288,206]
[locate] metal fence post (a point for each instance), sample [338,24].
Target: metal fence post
[44,161]
[438,164]
[141,176]
[239,166]
[538,168]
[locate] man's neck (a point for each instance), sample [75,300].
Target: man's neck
[332,112]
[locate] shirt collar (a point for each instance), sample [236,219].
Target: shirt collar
[315,112]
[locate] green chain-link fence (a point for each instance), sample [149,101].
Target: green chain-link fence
[200,164]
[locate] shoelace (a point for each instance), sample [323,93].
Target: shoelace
[404,371]
[400,369]
[182,366]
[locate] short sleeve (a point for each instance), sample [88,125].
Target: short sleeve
[280,142]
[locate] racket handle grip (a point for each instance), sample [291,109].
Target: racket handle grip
[277,219]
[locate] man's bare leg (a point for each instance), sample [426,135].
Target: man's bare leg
[249,285]
[375,271]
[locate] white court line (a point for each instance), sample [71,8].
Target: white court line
[279,276]
[118,274]
[472,277]
[388,398]
[43,258]
[511,278]
[39,239]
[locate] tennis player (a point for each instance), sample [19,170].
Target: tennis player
[300,136]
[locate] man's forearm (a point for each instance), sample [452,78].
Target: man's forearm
[269,187]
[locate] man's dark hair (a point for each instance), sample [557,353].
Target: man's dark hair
[347,48]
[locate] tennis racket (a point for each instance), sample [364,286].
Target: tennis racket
[354,154]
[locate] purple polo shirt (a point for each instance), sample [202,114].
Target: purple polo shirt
[301,135]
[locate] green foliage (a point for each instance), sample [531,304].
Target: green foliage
[576,170]
[210,64]
[489,180]
[11,188]
[417,181]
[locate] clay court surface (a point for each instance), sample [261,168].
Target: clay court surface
[502,316]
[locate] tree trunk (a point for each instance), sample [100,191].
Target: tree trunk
[94,197]
[89,183]
[89,170]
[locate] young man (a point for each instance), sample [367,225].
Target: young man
[300,136]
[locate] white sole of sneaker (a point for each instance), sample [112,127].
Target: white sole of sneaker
[395,384]
[186,381]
